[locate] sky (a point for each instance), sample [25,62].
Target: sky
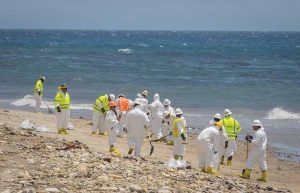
[216,15]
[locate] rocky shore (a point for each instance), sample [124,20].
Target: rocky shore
[30,163]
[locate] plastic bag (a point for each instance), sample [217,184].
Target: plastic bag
[175,163]
[42,129]
[70,126]
[27,124]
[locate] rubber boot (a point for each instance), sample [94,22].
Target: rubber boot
[64,131]
[203,169]
[112,149]
[101,133]
[170,142]
[211,171]
[176,157]
[222,160]
[59,131]
[93,132]
[229,161]
[246,174]
[263,177]
[130,151]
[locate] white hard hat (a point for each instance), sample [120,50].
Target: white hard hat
[178,111]
[156,96]
[227,112]
[218,116]
[167,102]
[166,113]
[112,97]
[257,123]
[145,93]
[43,77]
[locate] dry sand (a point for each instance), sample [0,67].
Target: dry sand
[284,174]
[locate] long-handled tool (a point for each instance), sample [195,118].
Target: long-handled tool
[156,140]
[49,110]
[152,146]
[247,148]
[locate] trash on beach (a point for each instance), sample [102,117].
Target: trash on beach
[42,129]
[176,163]
[27,124]
[70,126]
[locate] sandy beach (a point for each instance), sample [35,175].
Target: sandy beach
[282,174]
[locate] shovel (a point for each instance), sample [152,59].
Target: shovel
[152,146]
[49,110]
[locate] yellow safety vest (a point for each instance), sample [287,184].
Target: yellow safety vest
[63,100]
[175,129]
[38,86]
[104,102]
[232,127]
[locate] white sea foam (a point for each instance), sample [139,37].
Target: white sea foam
[28,100]
[184,44]
[125,50]
[279,113]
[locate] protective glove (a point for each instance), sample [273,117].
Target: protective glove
[168,123]
[183,136]
[39,93]
[163,121]
[58,109]
[125,130]
[235,137]
[249,138]
[226,144]
[215,151]
[170,133]
[102,110]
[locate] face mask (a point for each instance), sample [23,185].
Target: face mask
[216,120]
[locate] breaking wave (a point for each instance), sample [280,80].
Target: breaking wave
[28,100]
[125,50]
[279,113]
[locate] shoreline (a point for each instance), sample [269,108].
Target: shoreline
[284,174]
[286,153]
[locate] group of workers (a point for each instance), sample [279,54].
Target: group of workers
[137,118]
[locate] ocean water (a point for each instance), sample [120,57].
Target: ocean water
[256,74]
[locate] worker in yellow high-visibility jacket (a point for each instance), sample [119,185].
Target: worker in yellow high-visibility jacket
[62,104]
[100,108]
[232,128]
[38,92]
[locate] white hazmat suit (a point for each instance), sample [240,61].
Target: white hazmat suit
[157,111]
[111,125]
[135,123]
[257,154]
[208,139]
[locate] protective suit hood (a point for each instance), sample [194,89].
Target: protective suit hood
[156,97]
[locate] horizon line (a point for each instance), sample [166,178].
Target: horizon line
[163,30]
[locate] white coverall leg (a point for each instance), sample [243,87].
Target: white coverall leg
[205,154]
[122,123]
[63,118]
[257,157]
[101,123]
[113,132]
[156,123]
[136,144]
[179,148]
[38,102]
[231,150]
[96,121]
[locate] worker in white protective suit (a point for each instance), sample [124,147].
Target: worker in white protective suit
[232,128]
[100,108]
[124,105]
[135,124]
[143,101]
[169,115]
[157,111]
[219,146]
[62,102]
[111,125]
[257,154]
[38,92]
[179,134]
[208,139]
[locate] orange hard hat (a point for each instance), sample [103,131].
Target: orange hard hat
[112,104]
